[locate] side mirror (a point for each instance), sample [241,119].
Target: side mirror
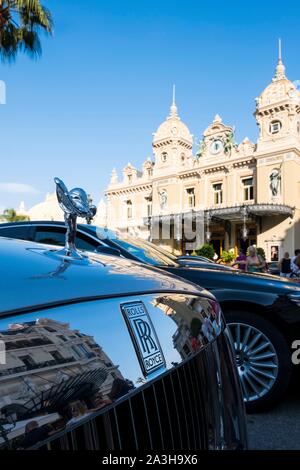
[108,250]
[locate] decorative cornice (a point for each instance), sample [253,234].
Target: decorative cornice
[128,190]
[216,169]
[169,141]
[189,174]
[243,163]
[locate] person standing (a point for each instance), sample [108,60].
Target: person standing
[295,269]
[255,263]
[285,265]
[240,261]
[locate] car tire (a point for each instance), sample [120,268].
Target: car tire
[263,359]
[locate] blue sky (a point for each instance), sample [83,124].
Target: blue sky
[104,84]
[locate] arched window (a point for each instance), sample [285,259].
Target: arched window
[164,157]
[129,209]
[148,206]
[191,197]
[275,127]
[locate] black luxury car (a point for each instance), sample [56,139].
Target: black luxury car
[262,311]
[99,352]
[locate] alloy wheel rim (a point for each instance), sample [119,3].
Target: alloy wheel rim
[256,359]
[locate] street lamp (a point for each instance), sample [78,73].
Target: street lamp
[208,232]
[245,231]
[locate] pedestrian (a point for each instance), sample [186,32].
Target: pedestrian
[285,265]
[294,268]
[240,261]
[255,263]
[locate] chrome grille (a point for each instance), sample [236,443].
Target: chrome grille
[169,413]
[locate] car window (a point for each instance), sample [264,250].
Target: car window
[57,236]
[83,242]
[21,232]
[50,235]
[145,252]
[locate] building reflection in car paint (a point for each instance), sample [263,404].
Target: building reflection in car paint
[54,376]
[57,374]
[193,332]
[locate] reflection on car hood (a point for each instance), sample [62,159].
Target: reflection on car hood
[33,275]
[203,264]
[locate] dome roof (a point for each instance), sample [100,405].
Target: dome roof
[280,89]
[173,128]
[46,210]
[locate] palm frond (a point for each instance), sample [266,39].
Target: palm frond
[21,21]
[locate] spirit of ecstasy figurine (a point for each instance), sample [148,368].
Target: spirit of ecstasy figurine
[74,204]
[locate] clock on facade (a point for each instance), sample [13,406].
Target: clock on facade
[216,146]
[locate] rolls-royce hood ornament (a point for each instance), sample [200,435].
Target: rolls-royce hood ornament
[74,203]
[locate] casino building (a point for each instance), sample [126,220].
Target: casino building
[245,193]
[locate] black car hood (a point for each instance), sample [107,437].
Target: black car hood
[34,275]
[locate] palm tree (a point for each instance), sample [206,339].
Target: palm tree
[20,24]
[10,215]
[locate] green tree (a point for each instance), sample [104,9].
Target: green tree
[206,250]
[227,256]
[11,216]
[21,21]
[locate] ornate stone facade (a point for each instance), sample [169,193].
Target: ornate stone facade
[247,193]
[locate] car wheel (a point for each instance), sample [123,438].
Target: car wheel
[263,359]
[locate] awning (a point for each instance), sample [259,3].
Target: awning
[237,213]
[233,214]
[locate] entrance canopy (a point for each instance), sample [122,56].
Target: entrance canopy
[237,213]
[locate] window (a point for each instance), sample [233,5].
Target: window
[82,242]
[149,206]
[146,252]
[129,178]
[62,337]
[275,127]
[218,193]
[164,157]
[129,209]
[21,232]
[57,356]
[50,235]
[191,198]
[57,236]
[51,330]
[248,189]
[28,361]
[84,350]
[150,172]
[77,354]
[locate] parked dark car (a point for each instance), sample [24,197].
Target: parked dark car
[101,352]
[262,311]
[196,258]
[195,261]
